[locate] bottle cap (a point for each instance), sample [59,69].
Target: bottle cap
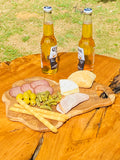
[87,10]
[47,8]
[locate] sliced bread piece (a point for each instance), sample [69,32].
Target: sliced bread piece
[83,78]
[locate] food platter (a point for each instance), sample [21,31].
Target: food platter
[95,101]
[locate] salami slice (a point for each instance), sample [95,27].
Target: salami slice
[15,91]
[70,101]
[40,88]
[39,82]
[26,87]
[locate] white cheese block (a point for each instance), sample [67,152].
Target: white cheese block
[68,87]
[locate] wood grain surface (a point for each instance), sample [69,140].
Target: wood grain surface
[93,135]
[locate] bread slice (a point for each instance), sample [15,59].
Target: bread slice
[83,78]
[68,87]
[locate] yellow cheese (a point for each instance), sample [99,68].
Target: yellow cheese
[68,87]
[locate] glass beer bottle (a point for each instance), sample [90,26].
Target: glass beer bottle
[86,44]
[48,44]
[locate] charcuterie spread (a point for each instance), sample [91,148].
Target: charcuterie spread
[44,105]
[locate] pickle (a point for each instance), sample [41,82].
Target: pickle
[44,100]
[54,103]
[39,98]
[45,107]
[38,103]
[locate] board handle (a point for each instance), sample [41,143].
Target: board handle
[105,93]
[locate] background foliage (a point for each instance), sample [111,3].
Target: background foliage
[21,26]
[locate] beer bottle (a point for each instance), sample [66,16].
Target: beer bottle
[48,44]
[86,44]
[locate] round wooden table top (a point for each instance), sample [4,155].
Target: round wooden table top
[93,135]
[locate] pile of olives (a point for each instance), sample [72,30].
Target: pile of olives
[44,100]
[28,97]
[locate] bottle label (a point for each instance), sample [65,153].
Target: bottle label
[81,58]
[52,57]
[53,52]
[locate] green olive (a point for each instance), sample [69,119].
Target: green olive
[26,100]
[32,102]
[19,96]
[33,96]
[29,91]
[26,95]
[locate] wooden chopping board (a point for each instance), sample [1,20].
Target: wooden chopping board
[95,101]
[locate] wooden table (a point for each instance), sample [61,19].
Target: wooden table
[73,141]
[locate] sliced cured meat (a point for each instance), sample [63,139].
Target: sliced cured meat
[40,88]
[26,87]
[70,101]
[15,91]
[39,82]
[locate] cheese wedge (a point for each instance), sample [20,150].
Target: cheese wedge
[68,87]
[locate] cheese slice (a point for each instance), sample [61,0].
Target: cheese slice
[68,87]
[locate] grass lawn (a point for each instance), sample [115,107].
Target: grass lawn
[21,24]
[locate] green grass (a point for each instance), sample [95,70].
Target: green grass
[21,26]
[10,53]
[25,38]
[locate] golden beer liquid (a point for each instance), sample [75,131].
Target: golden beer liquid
[87,43]
[48,41]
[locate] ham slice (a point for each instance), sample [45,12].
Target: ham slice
[26,87]
[39,82]
[15,91]
[70,101]
[40,88]
[35,86]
